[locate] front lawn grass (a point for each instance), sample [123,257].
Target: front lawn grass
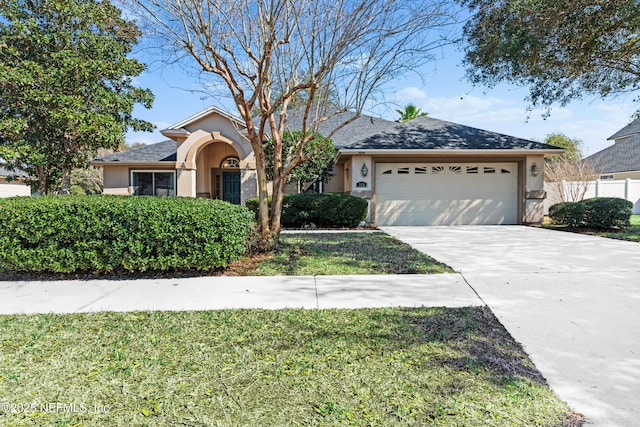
[631,234]
[383,367]
[311,254]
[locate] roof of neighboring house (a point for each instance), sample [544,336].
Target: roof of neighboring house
[7,172]
[427,133]
[630,129]
[623,156]
[164,151]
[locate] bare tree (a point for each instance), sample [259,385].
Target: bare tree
[569,179]
[322,57]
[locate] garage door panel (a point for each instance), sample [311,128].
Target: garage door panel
[449,197]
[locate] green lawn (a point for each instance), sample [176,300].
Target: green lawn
[383,367]
[320,253]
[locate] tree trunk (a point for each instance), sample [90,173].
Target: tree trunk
[276,203]
[42,181]
[266,234]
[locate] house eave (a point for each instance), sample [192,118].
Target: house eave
[166,164]
[202,114]
[175,133]
[448,152]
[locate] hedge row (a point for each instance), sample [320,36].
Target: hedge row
[321,210]
[113,233]
[601,212]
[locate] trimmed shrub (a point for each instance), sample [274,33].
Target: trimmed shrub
[607,212]
[567,213]
[114,233]
[321,210]
[599,212]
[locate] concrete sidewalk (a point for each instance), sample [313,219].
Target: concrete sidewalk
[211,293]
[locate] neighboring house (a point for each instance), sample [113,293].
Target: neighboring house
[622,159]
[422,172]
[14,186]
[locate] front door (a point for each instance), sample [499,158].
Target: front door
[231,187]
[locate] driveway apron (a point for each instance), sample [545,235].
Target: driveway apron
[573,301]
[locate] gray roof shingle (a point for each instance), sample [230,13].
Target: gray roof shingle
[164,151]
[623,156]
[371,133]
[360,128]
[7,172]
[630,129]
[427,133]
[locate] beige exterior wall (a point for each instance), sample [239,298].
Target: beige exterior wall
[116,180]
[534,190]
[13,188]
[335,184]
[624,175]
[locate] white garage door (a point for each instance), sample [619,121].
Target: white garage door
[446,193]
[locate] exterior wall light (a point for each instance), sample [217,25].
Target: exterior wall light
[364,170]
[534,169]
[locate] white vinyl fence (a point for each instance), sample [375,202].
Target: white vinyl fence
[625,189]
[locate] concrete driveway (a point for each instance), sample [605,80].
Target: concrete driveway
[573,301]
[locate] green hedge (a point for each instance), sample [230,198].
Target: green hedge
[320,210]
[600,212]
[114,233]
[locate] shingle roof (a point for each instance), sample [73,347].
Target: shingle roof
[427,133]
[371,133]
[164,151]
[7,172]
[362,127]
[630,129]
[623,156]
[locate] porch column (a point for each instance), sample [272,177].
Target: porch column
[186,183]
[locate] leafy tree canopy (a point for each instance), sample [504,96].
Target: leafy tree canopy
[66,84]
[410,112]
[560,49]
[319,150]
[573,146]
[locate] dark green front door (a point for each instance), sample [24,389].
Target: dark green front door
[231,187]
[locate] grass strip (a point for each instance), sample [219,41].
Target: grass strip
[311,254]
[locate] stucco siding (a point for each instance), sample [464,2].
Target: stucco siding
[335,184]
[116,180]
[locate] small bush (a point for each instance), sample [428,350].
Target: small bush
[114,233]
[567,213]
[600,212]
[607,212]
[320,210]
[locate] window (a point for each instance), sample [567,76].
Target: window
[420,170]
[153,183]
[387,172]
[455,170]
[472,169]
[488,169]
[230,163]
[403,171]
[505,171]
[437,169]
[606,177]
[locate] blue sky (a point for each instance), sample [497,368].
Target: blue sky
[442,91]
